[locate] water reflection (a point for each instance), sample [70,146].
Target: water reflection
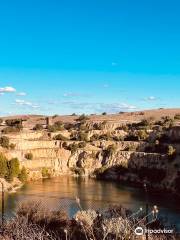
[61,193]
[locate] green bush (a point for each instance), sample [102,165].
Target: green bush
[171,152]
[73,147]
[104,113]
[45,172]
[94,137]
[14,123]
[82,144]
[12,146]
[106,137]
[82,118]
[3,165]
[60,137]
[4,142]
[177,117]
[29,156]
[55,116]
[82,136]
[13,169]
[23,175]
[57,126]
[8,130]
[38,127]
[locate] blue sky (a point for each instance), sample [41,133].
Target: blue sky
[88,56]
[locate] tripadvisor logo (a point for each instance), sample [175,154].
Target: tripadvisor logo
[139,231]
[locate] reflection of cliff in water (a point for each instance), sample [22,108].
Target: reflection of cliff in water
[61,193]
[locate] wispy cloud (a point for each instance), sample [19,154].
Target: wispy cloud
[21,94]
[75,94]
[100,107]
[150,98]
[26,103]
[7,89]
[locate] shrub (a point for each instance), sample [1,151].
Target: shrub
[78,171]
[45,172]
[73,147]
[177,117]
[57,126]
[55,116]
[23,176]
[105,137]
[29,156]
[104,113]
[131,137]
[14,123]
[12,146]
[82,144]
[82,136]
[94,137]
[60,137]
[1,120]
[142,135]
[171,152]
[3,165]
[38,127]
[4,142]
[82,118]
[7,130]
[12,169]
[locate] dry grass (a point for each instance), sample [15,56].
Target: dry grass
[34,222]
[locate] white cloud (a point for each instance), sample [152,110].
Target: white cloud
[21,94]
[100,107]
[23,102]
[150,98]
[74,94]
[26,103]
[7,90]
[71,94]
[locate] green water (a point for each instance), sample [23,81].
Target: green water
[61,193]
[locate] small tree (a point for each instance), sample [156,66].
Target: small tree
[29,156]
[4,142]
[82,118]
[3,165]
[13,169]
[82,144]
[171,152]
[38,127]
[45,172]
[23,176]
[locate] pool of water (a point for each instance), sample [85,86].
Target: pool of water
[61,193]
